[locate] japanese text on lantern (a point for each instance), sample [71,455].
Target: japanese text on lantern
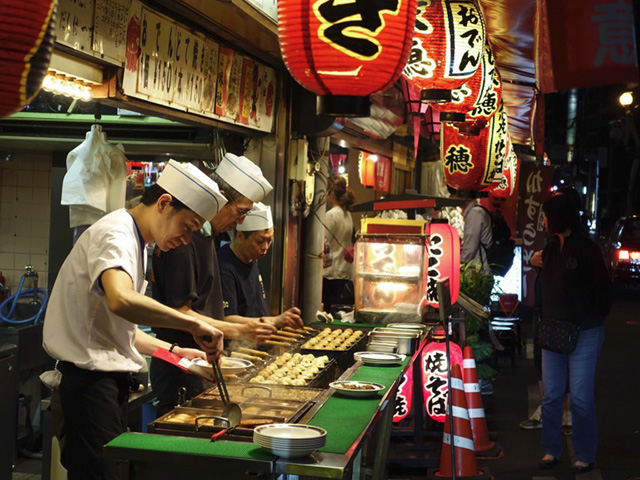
[436,253]
[352,27]
[464,28]
[458,159]
[436,387]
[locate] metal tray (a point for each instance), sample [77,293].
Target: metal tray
[344,358]
[207,420]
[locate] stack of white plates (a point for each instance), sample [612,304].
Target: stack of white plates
[378,358]
[289,440]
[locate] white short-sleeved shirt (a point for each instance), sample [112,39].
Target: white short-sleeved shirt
[79,327]
[340,223]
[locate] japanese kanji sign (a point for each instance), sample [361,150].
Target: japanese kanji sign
[435,370]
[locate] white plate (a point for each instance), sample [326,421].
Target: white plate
[286,453]
[371,389]
[289,430]
[378,358]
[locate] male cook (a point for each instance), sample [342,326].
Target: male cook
[97,300]
[242,287]
[187,278]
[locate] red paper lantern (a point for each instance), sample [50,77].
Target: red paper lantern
[443,247]
[404,397]
[447,47]
[411,93]
[478,98]
[435,370]
[345,51]
[509,177]
[367,169]
[473,160]
[26,34]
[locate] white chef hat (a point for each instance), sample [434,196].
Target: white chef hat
[245,176]
[259,218]
[194,188]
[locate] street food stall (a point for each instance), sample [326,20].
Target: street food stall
[317,402]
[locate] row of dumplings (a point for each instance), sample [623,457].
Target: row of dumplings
[288,369]
[336,339]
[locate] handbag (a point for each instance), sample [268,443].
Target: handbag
[558,336]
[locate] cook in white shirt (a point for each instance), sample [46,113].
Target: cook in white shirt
[97,300]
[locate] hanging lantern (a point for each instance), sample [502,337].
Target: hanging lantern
[367,169]
[345,51]
[433,361]
[509,177]
[473,160]
[478,98]
[443,247]
[404,397]
[446,49]
[26,34]
[411,93]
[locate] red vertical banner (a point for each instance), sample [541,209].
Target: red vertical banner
[535,184]
[589,42]
[383,174]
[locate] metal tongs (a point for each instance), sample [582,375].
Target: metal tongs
[232,411]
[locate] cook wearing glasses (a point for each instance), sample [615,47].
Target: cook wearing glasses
[187,278]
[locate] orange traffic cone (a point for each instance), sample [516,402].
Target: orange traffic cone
[485,448]
[465,455]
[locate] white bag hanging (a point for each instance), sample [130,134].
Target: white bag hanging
[96,176]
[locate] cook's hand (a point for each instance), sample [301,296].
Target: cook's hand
[290,318]
[258,331]
[210,339]
[536,259]
[189,353]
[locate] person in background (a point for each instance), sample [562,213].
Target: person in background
[242,287]
[337,283]
[96,302]
[477,234]
[535,420]
[187,278]
[574,287]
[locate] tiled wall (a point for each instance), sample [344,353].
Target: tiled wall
[25,195]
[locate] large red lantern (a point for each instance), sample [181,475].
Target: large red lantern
[435,370]
[447,47]
[509,177]
[26,35]
[345,51]
[443,249]
[478,98]
[367,169]
[473,160]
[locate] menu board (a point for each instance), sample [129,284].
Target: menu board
[172,65]
[74,24]
[110,29]
[233,92]
[210,75]
[189,69]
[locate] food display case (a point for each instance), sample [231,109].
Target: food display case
[397,266]
[389,276]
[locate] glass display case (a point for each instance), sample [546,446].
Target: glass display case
[389,278]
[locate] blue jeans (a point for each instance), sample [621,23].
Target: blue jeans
[580,367]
